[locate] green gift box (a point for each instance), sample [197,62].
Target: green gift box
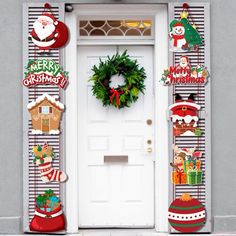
[194,177]
[192,164]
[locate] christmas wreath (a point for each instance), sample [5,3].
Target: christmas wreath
[123,95]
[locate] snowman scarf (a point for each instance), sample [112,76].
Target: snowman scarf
[176,38]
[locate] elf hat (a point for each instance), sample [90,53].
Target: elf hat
[51,17]
[184,108]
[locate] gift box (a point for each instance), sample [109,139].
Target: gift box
[194,177]
[179,177]
[192,164]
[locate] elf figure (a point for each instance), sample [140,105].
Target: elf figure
[43,156]
[184,35]
[48,33]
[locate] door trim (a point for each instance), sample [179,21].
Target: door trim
[159,12]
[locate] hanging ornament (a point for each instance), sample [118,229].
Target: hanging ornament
[43,157]
[45,71]
[187,166]
[185,116]
[183,73]
[183,34]
[122,95]
[186,214]
[48,216]
[45,114]
[48,33]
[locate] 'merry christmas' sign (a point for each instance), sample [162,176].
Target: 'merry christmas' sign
[45,72]
[183,73]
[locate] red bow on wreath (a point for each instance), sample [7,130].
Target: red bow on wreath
[115,93]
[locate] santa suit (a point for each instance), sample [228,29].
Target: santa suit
[43,44]
[57,36]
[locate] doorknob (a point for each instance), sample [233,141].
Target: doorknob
[149,141]
[149,121]
[149,149]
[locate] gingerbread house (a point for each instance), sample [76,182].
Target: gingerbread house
[46,114]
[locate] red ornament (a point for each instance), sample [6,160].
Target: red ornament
[47,32]
[186,214]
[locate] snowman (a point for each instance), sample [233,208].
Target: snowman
[48,33]
[177,35]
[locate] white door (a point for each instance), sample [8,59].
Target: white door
[115,194]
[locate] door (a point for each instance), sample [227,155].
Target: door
[115,194]
[45,125]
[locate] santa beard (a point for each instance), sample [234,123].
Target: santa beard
[43,31]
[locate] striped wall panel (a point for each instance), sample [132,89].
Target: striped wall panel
[32,181]
[199,13]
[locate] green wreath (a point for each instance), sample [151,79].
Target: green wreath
[123,95]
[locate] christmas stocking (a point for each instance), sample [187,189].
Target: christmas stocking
[43,156]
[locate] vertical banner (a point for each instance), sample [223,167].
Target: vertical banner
[43,116]
[189,81]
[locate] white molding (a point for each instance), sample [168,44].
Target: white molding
[161,103]
[71,128]
[114,42]
[117,10]
[161,106]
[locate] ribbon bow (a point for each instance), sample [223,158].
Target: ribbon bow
[115,93]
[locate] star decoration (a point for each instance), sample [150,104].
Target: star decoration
[184,14]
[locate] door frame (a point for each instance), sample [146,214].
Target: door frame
[160,43]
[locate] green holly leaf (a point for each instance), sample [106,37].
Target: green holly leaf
[39,148]
[49,193]
[198,132]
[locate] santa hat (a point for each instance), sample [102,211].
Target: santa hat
[184,57]
[51,17]
[184,108]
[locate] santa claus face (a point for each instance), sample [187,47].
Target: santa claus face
[183,62]
[178,30]
[44,27]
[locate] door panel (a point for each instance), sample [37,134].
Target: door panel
[115,194]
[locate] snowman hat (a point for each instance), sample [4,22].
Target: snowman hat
[178,24]
[183,108]
[51,17]
[175,23]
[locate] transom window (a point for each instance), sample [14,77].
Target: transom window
[116,28]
